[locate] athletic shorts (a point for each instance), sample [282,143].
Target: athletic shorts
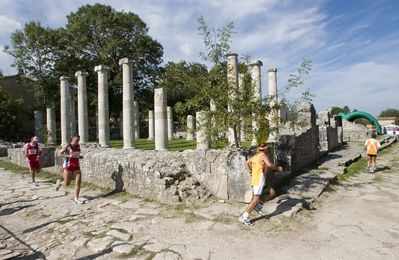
[34,165]
[258,189]
[72,168]
[372,155]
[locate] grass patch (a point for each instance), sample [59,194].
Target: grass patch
[64,221]
[137,251]
[323,168]
[354,169]
[24,170]
[222,218]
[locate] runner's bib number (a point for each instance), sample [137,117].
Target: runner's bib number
[76,155]
[32,151]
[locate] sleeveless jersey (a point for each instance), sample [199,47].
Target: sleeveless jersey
[74,160]
[257,169]
[372,146]
[32,151]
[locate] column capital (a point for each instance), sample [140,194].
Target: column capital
[125,61]
[101,68]
[272,70]
[256,63]
[64,78]
[229,54]
[82,73]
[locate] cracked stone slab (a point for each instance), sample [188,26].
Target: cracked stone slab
[118,234]
[99,244]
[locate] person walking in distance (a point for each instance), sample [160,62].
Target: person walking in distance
[32,152]
[71,167]
[259,165]
[372,146]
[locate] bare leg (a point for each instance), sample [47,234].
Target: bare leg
[253,203]
[269,194]
[78,182]
[33,173]
[67,179]
[373,159]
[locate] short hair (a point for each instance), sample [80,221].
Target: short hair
[263,147]
[75,136]
[373,135]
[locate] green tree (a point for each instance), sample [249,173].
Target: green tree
[35,51]
[336,110]
[390,112]
[183,81]
[12,115]
[98,34]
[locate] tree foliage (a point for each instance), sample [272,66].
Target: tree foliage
[335,110]
[12,115]
[94,34]
[390,112]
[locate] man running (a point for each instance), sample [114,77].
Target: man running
[259,165]
[71,167]
[372,146]
[32,152]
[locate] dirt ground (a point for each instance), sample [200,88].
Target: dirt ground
[355,219]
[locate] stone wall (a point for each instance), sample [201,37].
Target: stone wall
[353,131]
[170,177]
[17,156]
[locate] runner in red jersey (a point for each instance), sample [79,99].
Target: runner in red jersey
[71,167]
[32,152]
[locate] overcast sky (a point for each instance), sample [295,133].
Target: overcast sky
[353,44]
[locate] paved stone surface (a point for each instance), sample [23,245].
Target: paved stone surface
[357,219]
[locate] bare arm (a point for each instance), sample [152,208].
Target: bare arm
[248,164]
[62,154]
[272,166]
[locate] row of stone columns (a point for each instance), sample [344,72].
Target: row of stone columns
[235,81]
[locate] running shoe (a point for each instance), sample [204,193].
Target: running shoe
[245,221]
[77,201]
[34,185]
[259,209]
[57,185]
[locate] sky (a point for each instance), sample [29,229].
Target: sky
[353,44]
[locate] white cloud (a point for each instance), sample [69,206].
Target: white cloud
[8,25]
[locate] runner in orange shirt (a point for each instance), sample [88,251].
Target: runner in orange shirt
[372,146]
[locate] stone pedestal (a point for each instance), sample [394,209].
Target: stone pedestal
[150,125]
[190,127]
[232,79]
[65,110]
[51,126]
[38,116]
[274,113]
[128,104]
[136,120]
[83,117]
[103,107]
[170,123]
[202,137]
[161,124]
[256,95]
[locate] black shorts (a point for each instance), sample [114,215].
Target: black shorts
[270,182]
[372,155]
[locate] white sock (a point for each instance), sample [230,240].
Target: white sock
[245,215]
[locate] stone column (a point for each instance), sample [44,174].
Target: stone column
[242,119]
[257,95]
[121,124]
[150,125]
[232,79]
[128,104]
[38,116]
[274,114]
[73,111]
[202,137]
[136,119]
[103,109]
[190,128]
[161,124]
[170,123]
[51,126]
[83,117]
[65,110]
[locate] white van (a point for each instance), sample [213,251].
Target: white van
[392,129]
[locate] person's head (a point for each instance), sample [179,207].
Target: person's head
[373,135]
[34,139]
[75,139]
[263,147]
